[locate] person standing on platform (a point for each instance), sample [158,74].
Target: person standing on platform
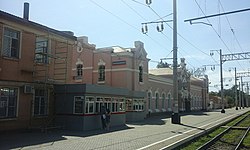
[103,117]
[108,115]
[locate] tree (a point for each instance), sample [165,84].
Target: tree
[163,65]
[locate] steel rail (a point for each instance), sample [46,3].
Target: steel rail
[242,139]
[217,137]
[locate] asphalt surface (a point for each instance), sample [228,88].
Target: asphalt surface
[153,133]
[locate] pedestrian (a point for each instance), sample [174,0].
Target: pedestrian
[108,115]
[103,117]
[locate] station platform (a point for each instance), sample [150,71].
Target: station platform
[156,132]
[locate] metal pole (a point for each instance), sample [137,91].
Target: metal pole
[175,115]
[242,97]
[236,101]
[239,95]
[247,99]
[221,80]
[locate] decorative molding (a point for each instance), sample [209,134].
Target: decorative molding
[79,62]
[101,62]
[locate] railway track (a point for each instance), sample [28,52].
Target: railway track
[231,138]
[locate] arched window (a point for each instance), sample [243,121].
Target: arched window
[163,100]
[169,101]
[149,100]
[156,100]
[79,70]
[140,74]
[101,71]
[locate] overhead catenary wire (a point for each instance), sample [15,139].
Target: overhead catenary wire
[216,32]
[178,33]
[134,10]
[231,29]
[161,18]
[122,20]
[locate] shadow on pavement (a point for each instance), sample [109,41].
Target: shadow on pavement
[192,127]
[21,139]
[153,120]
[94,132]
[161,119]
[197,113]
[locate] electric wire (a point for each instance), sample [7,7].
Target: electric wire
[216,32]
[134,10]
[161,18]
[180,34]
[231,29]
[122,20]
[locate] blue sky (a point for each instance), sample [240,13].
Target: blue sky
[118,22]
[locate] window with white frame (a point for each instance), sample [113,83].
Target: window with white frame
[11,43]
[115,105]
[40,102]
[107,102]
[41,51]
[118,104]
[98,104]
[89,105]
[79,70]
[78,104]
[121,106]
[8,102]
[101,72]
[138,104]
[129,104]
[140,74]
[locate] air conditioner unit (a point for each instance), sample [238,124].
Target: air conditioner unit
[28,89]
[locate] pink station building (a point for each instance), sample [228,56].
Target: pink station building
[50,78]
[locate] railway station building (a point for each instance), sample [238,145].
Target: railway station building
[52,78]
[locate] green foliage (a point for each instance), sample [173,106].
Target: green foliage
[214,93]
[199,142]
[229,95]
[246,141]
[163,65]
[230,101]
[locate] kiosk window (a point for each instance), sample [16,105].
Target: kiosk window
[78,104]
[89,105]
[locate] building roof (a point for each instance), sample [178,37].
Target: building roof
[161,71]
[196,81]
[117,49]
[10,17]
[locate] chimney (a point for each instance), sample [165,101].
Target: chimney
[26,11]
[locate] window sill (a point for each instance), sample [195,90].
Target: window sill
[101,82]
[40,117]
[10,58]
[8,119]
[79,80]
